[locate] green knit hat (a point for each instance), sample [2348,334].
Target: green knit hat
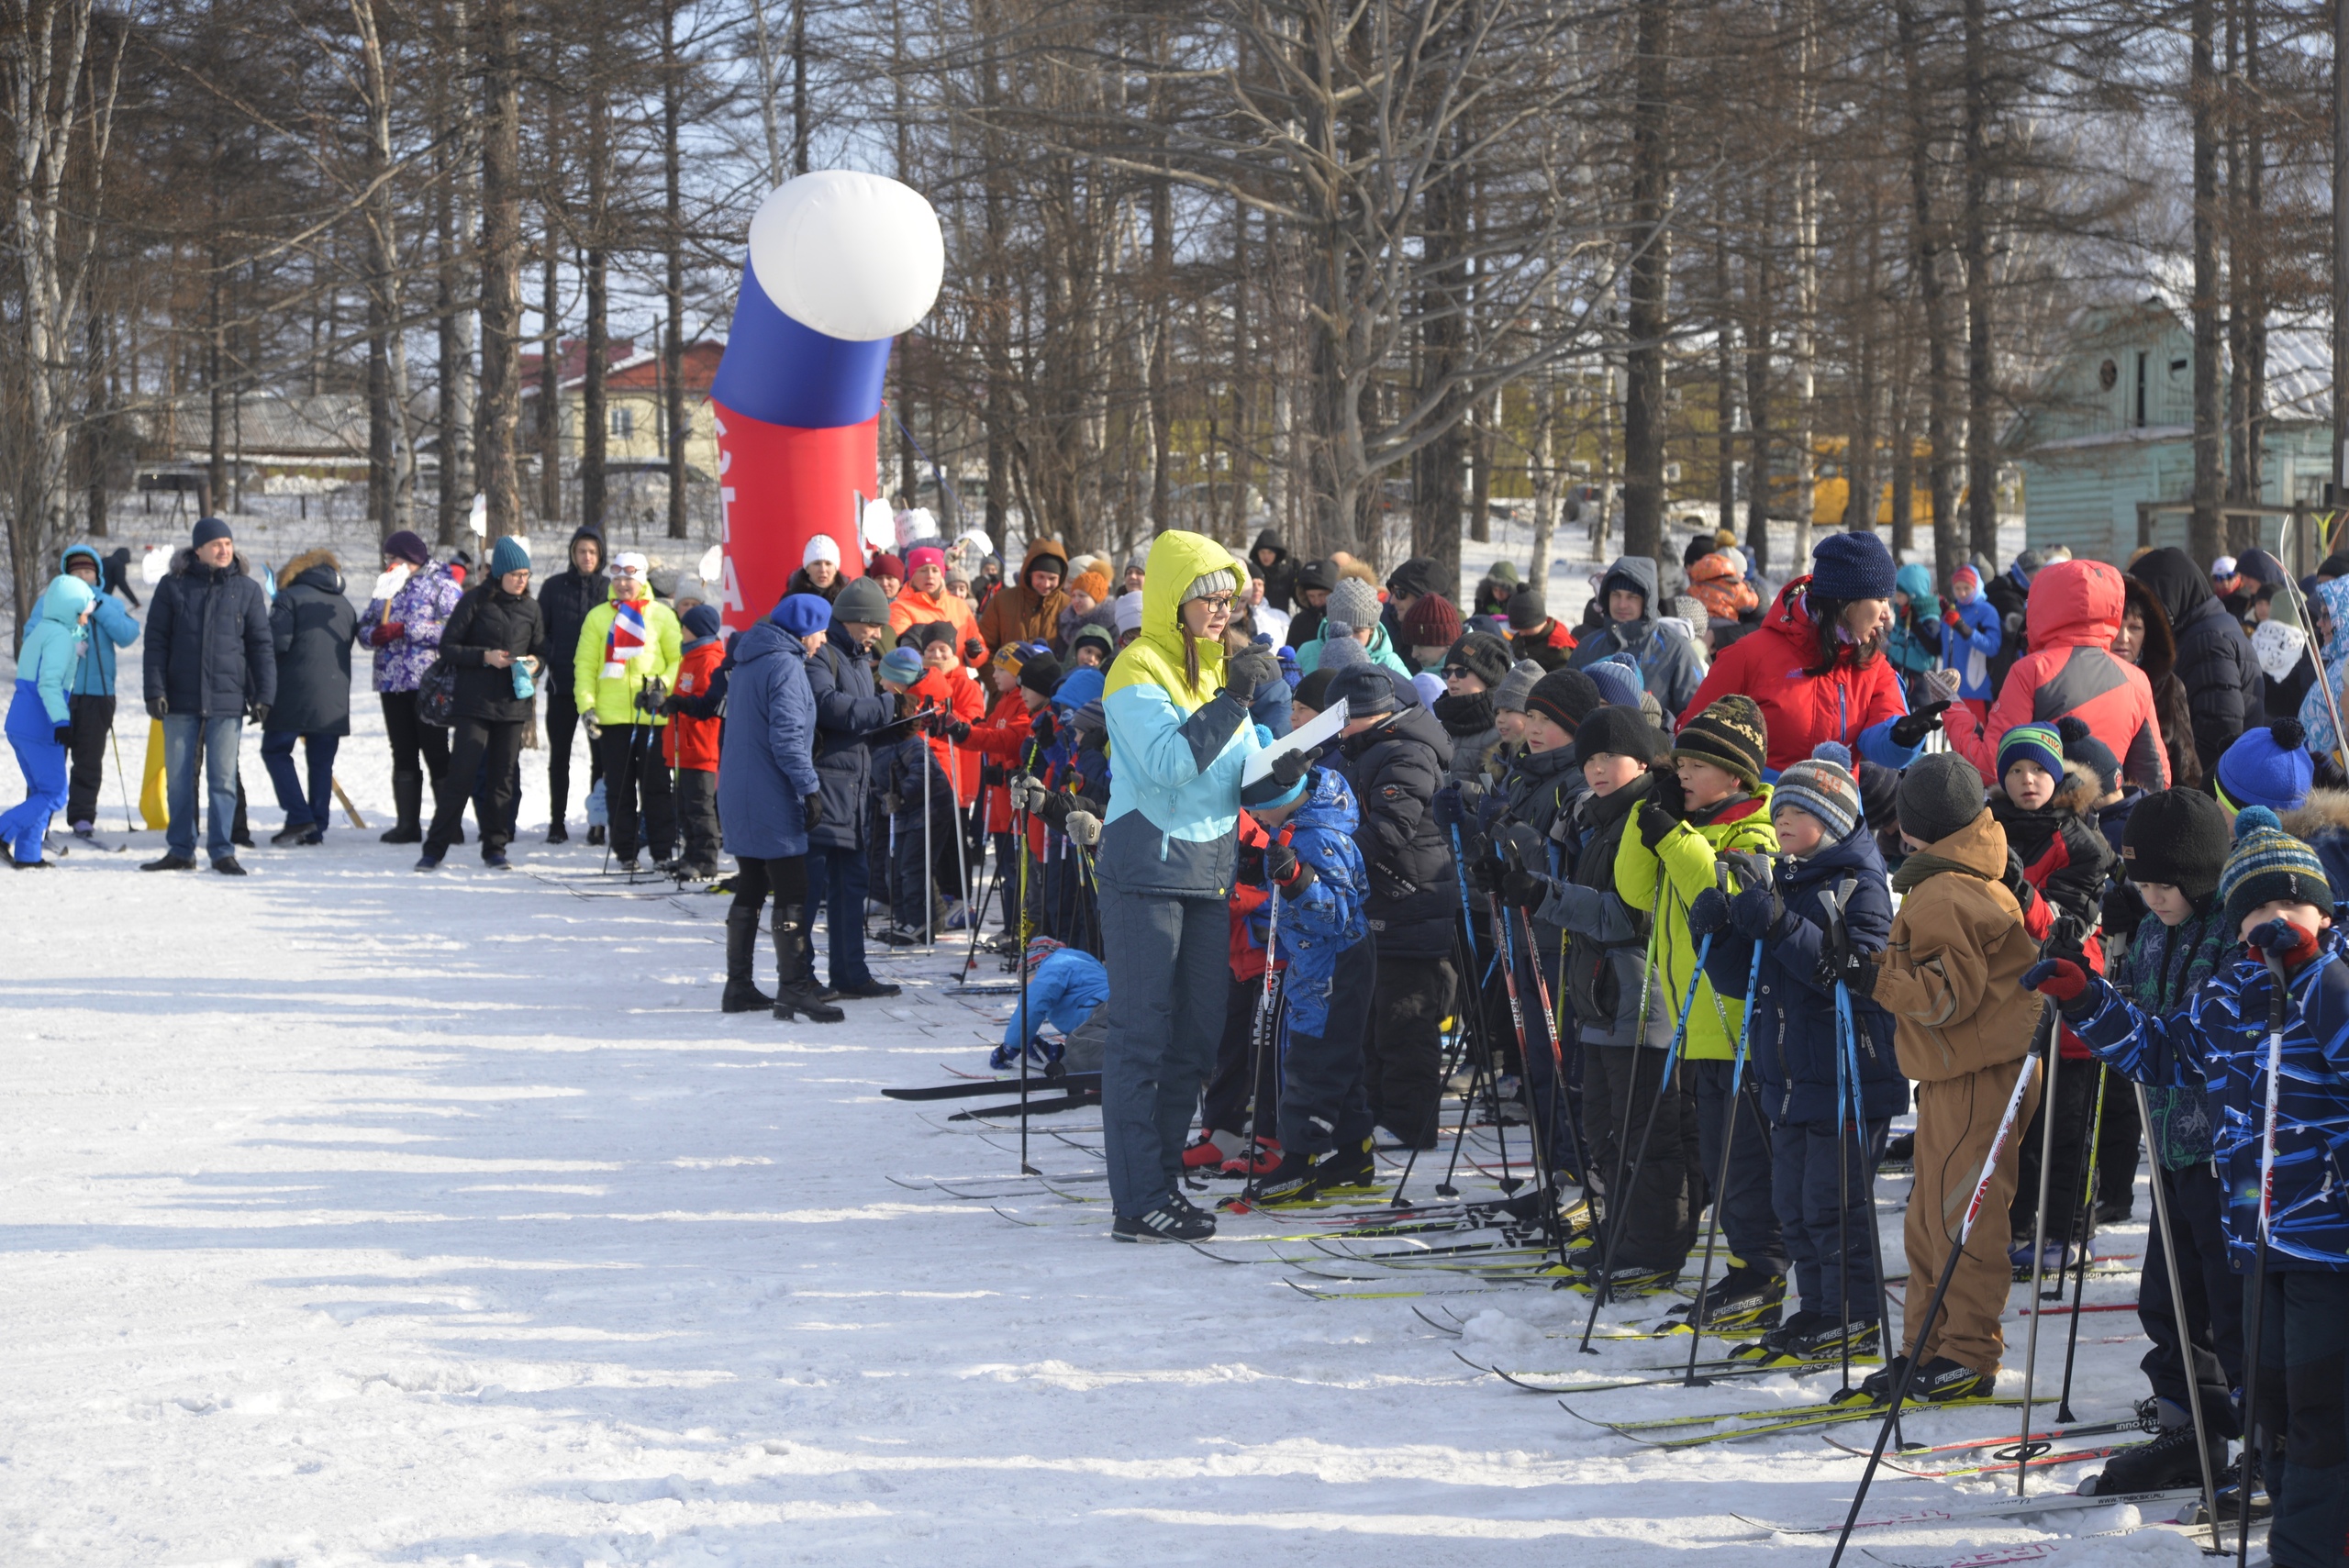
[2268,864]
[1730,734]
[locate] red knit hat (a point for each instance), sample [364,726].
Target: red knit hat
[1432,622]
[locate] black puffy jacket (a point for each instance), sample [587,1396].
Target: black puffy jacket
[1396,767]
[209,649]
[311,626]
[564,601]
[1280,577]
[847,704]
[489,617]
[2215,657]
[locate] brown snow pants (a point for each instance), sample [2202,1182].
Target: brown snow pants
[1956,1119]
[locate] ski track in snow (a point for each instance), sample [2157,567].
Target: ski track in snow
[353,1216]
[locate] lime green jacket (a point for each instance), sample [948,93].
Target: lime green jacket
[612,699]
[1686,857]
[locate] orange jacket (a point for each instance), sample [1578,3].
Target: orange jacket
[1002,739]
[910,610]
[956,693]
[1714,582]
[688,742]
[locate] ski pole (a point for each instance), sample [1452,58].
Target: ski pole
[1720,1186]
[1599,1291]
[978,918]
[1266,1022]
[2086,1232]
[2047,1107]
[1019,956]
[1559,1098]
[1479,1054]
[2178,1305]
[930,868]
[121,779]
[2277,993]
[1849,1018]
[1506,946]
[1615,1187]
[1843,1202]
[1941,1291]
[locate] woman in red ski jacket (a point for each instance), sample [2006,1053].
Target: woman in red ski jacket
[1816,665]
[2070,619]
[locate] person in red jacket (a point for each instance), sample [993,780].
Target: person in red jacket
[1003,742]
[947,684]
[1817,667]
[689,744]
[2071,618]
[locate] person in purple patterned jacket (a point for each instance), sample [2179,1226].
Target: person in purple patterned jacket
[404,632]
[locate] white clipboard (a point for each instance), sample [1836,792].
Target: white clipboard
[1320,729]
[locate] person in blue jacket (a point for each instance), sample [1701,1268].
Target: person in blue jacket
[1176,711]
[41,718]
[92,697]
[768,797]
[2279,905]
[1971,637]
[1821,1177]
[1314,868]
[1063,987]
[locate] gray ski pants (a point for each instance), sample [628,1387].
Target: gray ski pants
[1169,963]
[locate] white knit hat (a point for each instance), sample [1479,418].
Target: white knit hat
[820,547]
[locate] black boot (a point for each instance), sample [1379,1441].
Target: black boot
[793,994]
[407,797]
[743,996]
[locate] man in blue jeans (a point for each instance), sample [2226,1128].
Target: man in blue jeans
[210,664]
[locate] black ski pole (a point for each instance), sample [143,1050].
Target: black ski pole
[2085,1230]
[2169,1240]
[1615,1192]
[1268,1027]
[1941,1291]
[1480,1053]
[1507,948]
[1848,1020]
[2277,993]
[1720,1184]
[1019,956]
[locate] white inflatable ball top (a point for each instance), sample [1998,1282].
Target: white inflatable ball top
[879,525]
[914,523]
[155,565]
[857,257]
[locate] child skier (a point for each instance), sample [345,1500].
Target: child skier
[1313,867]
[1822,1174]
[907,776]
[1063,987]
[2277,1134]
[1971,637]
[1713,803]
[1963,1023]
[690,744]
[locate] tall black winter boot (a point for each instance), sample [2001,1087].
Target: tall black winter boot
[742,994]
[793,994]
[407,797]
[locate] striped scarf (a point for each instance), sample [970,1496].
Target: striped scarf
[627,638]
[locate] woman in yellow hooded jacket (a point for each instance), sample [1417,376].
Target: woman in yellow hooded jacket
[624,669]
[1176,712]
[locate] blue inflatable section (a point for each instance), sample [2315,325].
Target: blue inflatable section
[781,372]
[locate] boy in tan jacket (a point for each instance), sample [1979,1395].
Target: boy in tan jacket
[1962,1025]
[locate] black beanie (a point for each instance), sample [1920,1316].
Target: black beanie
[1483,655]
[1040,674]
[1314,690]
[1618,731]
[2178,837]
[1938,795]
[1565,696]
[1527,610]
[1730,733]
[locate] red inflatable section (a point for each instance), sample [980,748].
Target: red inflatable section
[777,488]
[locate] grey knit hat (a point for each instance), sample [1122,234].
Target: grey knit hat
[1822,785]
[1354,605]
[1222,580]
[1938,795]
[1517,686]
[1340,652]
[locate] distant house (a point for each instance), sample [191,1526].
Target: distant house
[634,416]
[2114,425]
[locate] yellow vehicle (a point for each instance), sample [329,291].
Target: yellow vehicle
[1831,487]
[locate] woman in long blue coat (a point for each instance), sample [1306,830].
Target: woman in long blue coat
[768,797]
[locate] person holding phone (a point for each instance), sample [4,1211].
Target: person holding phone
[496,639]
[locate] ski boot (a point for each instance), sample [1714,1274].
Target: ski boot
[1267,1160]
[1212,1149]
[1744,1298]
[1624,1281]
[1937,1381]
[1779,1342]
[1828,1342]
[2174,1457]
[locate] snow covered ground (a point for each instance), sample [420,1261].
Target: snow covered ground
[351,1215]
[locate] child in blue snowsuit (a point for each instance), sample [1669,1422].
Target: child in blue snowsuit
[1822,1176]
[91,698]
[1063,987]
[1314,867]
[2279,902]
[40,716]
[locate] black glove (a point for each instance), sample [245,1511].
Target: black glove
[1040,727]
[259,712]
[973,650]
[1707,913]
[1856,969]
[157,708]
[1244,672]
[2014,882]
[1055,809]
[1289,767]
[1524,889]
[991,774]
[649,696]
[1284,871]
[1912,729]
[811,810]
[1756,911]
[62,735]
[2067,938]
[1667,795]
[2123,910]
[957,730]
[1655,823]
[1486,873]
[1250,870]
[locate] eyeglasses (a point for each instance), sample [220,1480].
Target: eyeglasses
[1217,604]
[1456,672]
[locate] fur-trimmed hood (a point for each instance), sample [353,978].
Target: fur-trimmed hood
[2325,811]
[2077,792]
[307,559]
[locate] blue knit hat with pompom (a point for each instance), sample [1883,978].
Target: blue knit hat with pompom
[2267,864]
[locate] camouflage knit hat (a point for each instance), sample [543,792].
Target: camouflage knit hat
[1731,734]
